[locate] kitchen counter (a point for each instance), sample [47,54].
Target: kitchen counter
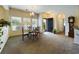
[76,35]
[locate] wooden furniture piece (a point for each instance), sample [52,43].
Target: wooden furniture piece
[71,21]
[32,34]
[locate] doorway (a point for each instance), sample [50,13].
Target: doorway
[49,22]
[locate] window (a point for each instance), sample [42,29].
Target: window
[34,22]
[26,23]
[16,23]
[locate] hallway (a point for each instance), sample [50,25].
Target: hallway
[48,43]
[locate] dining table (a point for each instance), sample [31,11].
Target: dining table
[31,35]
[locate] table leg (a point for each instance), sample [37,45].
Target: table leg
[22,37]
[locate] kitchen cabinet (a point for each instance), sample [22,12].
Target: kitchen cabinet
[3,36]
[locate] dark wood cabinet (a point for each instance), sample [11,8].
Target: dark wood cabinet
[71,21]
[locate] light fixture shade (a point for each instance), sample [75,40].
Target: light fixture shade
[32,14]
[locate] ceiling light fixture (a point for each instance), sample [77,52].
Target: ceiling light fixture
[32,14]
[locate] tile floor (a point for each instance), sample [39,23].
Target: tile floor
[48,43]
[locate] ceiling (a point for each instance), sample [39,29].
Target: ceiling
[44,8]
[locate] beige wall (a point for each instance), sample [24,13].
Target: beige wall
[2,13]
[77,17]
[60,24]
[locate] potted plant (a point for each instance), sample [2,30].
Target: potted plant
[3,22]
[55,31]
